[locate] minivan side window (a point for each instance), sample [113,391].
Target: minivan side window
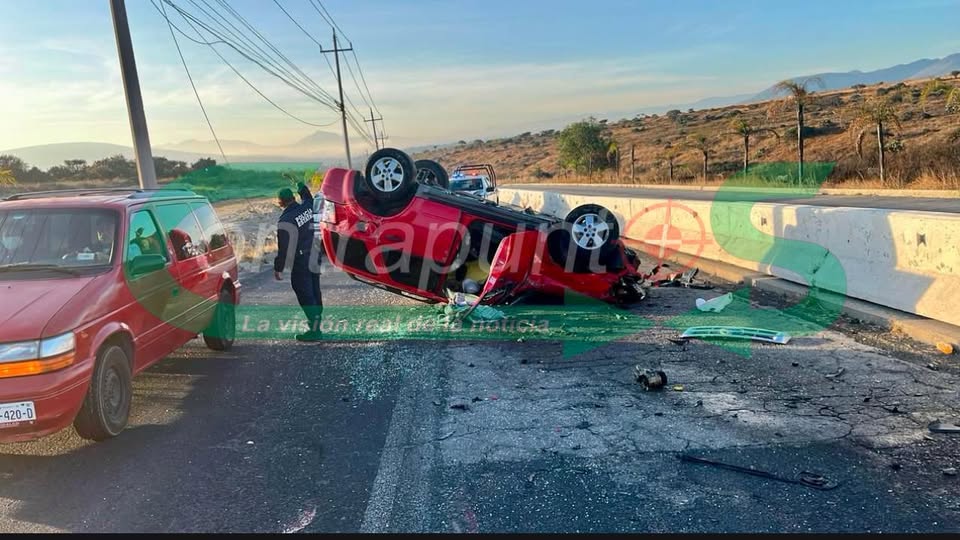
[215,236]
[182,228]
[143,237]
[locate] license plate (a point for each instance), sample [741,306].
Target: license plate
[12,413]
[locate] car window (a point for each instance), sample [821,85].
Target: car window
[210,224]
[61,237]
[144,237]
[183,229]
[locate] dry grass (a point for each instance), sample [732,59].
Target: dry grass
[929,159]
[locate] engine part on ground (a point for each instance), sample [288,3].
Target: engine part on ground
[809,479]
[649,379]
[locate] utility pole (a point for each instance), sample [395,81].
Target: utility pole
[376,140]
[633,161]
[343,109]
[146,173]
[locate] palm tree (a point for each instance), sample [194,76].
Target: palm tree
[670,155]
[742,128]
[701,143]
[872,116]
[936,87]
[7,178]
[799,92]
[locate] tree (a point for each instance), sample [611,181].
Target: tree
[13,164]
[75,166]
[935,87]
[7,178]
[955,73]
[203,163]
[798,92]
[582,146]
[701,143]
[670,155]
[116,166]
[674,114]
[742,128]
[167,168]
[872,116]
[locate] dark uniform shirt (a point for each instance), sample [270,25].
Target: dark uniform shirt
[300,217]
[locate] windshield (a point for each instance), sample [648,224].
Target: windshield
[466,184]
[68,238]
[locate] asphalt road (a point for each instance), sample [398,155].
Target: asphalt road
[464,434]
[926,204]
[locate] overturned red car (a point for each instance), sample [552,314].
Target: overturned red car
[421,240]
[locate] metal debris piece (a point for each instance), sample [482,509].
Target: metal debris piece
[809,479]
[678,388]
[950,471]
[460,407]
[649,379]
[943,427]
[737,332]
[447,436]
[714,305]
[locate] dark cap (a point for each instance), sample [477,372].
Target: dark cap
[285,194]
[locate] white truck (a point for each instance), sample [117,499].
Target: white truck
[477,180]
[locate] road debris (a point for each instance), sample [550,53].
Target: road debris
[460,407]
[950,471]
[714,305]
[304,519]
[447,436]
[945,348]
[943,427]
[837,374]
[737,332]
[808,479]
[678,388]
[649,379]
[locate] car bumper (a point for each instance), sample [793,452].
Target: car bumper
[56,396]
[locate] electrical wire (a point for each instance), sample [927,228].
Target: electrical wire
[192,84]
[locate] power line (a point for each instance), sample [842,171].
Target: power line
[195,92]
[232,67]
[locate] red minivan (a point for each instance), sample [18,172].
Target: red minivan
[95,286]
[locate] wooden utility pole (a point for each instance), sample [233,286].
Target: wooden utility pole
[376,140]
[633,161]
[146,173]
[343,109]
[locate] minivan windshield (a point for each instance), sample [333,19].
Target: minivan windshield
[52,238]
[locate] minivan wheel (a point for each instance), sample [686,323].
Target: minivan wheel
[390,174]
[586,241]
[222,332]
[106,408]
[431,173]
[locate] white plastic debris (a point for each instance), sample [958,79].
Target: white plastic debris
[715,305]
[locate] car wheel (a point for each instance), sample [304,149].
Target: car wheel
[432,173]
[106,407]
[222,332]
[390,174]
[587,239]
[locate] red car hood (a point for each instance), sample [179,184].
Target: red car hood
[27,305]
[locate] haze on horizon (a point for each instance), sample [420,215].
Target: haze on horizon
[439,71]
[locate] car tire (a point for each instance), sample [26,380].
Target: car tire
[106,407]
[222,331]
[587,239]
[431,173]
[390,175]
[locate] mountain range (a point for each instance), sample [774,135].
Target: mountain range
[328,147]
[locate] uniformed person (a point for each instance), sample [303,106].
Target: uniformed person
[295,241]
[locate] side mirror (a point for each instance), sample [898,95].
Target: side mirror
[491,189]
[144,264]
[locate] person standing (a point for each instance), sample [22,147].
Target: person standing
[295,242]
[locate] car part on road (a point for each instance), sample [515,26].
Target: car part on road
[649,379]
[737,332]
[431,173]
[837,374]
[808,479]
[592,226]
[222,332]
[943,427]
[390,174]
[714,305]
[945,348]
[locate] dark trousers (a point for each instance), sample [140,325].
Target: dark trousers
[306,285]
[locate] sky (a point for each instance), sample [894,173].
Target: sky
[437,70]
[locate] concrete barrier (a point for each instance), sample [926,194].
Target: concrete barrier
[900,259]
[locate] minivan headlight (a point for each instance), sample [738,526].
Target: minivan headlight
[35,357]
[328,212]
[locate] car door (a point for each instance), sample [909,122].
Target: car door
[192,299]
[152,286]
